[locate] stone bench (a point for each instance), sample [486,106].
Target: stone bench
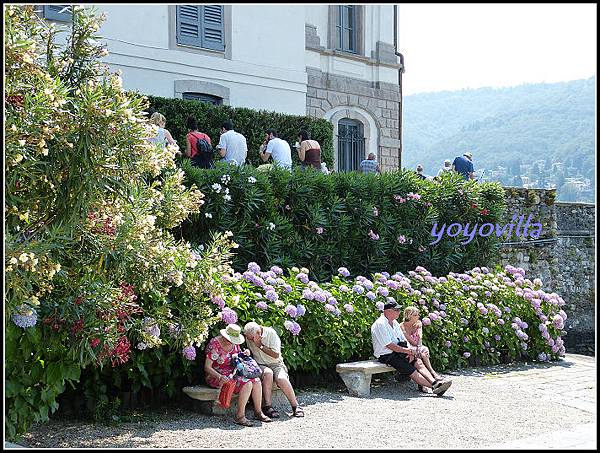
[209,396]
[357,375]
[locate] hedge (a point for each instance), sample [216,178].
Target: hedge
[250,123]
[364,222]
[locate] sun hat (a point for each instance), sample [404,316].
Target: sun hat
[392,306]
[233,333]
[468,154]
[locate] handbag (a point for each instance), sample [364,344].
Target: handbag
[246,366]
[226,393]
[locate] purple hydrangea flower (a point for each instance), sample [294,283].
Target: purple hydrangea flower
[300,310]
[344,272]
[229,316]
[272,296]
[320,296]
[26,317]
[349,308]
[292,326]
[308,294]
[497,337]
[329,308]
[448,344]
[485,330]
[189,352]
[277,270]
[426,321]
[344,288]
[262,305]
[466,355]
[287,288]
[359,289]
[558,322]
[542,357]
[302,277]
[253,267]
[371,295]
[291,311]
[383,291]
[379,305]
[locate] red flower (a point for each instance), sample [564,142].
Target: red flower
[78,301]
[94,342]
[473,205]
[77,327]
[485,211]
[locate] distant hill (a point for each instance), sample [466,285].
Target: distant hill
[530,122]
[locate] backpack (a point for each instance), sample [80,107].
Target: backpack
[246,366]
[204,154]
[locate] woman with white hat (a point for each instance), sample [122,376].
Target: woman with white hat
[219,368]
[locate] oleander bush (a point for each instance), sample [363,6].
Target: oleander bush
[477,317]
[364,222]
[92,272]
[250,123]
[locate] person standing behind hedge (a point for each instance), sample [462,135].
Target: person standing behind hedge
[277,148]
[309,151]
[265,345]
[390,347]
[163,136]
[232,145]
[201,160]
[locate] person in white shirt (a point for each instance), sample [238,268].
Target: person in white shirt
[390,347]
[265,345]
[277,148]
[446,168]
[232,145]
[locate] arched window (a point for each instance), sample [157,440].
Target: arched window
[351,144]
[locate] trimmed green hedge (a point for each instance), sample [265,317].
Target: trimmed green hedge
[322,222]
[250,123]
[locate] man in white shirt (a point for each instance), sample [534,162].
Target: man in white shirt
[232,145]
[277,148]
[390,347]
[265,345]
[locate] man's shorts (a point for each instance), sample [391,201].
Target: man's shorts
[279,370]
[399,361]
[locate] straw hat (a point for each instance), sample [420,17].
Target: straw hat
[233,333]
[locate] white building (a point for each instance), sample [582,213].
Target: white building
[330,61]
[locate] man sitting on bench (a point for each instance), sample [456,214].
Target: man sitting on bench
[390,347]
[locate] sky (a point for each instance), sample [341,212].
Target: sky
[457,46]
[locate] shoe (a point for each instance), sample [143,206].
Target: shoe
[421,389]
[441,388]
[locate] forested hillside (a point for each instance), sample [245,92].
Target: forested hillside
[509,131]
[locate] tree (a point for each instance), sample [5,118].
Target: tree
[91,265]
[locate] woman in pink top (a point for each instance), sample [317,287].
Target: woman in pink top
[413,331]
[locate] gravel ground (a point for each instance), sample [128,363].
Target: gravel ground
[483,407]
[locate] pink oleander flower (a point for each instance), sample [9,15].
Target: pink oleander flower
[373,236]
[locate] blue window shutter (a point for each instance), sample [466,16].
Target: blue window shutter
[58,12]
[213,34]
[189,25]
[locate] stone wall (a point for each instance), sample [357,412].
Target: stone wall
[563,255]
[381,100]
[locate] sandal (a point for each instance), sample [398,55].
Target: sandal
[262,417]
[297,411]
[421,389]
[242,421]
[269,411]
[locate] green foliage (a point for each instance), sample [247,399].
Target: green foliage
[250,123]
[319,221]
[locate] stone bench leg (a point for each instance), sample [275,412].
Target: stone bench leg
[358,383]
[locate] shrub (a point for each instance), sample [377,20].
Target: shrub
[362,221]
[477,317]
[250,123]
[91,270]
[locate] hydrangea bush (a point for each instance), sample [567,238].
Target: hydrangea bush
[95,280]
[476,317]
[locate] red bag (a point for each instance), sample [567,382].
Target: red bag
[226,393]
